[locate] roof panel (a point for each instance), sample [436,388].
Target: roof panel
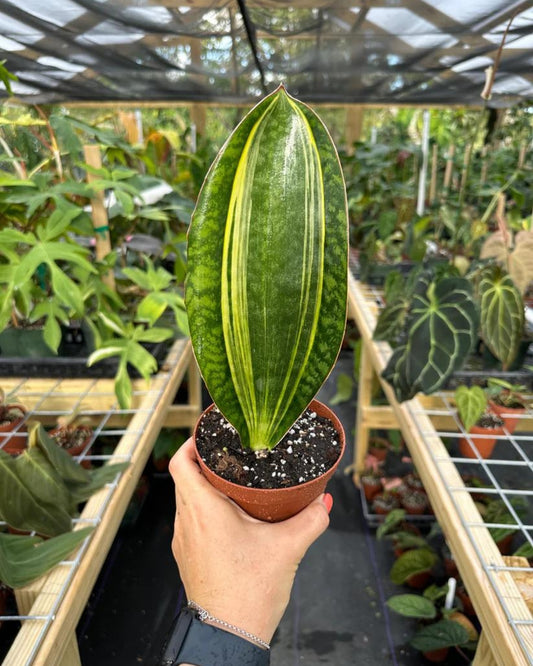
[340,51]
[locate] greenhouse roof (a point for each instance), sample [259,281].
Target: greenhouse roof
[346,51]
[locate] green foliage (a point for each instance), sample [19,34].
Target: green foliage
[267,260]
[471,403]
[41,488]
[442,634]
[412,605]
[502,313]
[411,563]
[6,77]
[23,559]
[439,331]
[392,520]
[344,392]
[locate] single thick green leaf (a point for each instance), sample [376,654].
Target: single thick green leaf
[412,605]
[22,510]
[267,262]
[391,321]
[442,634]
[440,331]
[23,559]
[471,403]
[410,563]
[502,314]
[123,386]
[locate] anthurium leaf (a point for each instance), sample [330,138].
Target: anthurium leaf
[67,468]
[267,261]
[440,331]
[391,321]
[412,605]
[22,510]
[441,634]
[471,403]
[23,559]
[410,563]
[98,478]
[502,314]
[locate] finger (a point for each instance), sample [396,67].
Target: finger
[306,526]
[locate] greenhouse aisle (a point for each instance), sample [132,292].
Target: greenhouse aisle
[336,615]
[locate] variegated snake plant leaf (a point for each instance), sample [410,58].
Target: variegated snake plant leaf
[267,269]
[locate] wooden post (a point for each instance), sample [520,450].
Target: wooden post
[449,169]
[128,120]
[466,161]
[353,127]
[433,181]
[99,213]
[364,400]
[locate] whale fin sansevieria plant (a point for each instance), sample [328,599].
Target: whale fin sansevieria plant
[267,269]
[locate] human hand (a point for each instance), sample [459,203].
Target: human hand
[238,568]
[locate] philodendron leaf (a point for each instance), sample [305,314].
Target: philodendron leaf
[440,331]
[24,558]
[98,478]
[502,314]
[471,403]
[442,634]
[267,262]
[23,510]
[412,605]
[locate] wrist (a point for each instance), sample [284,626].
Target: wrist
[233,628]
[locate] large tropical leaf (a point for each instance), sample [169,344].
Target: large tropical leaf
[267,260]
[24,558]
[440,332]
[471,402]
[441,634]
[502,314]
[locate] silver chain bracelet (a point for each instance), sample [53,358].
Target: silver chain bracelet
[204,615]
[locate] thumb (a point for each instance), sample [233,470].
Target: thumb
[306,526]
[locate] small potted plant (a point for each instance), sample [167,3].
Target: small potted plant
[371,483]
[73,434]
[482,425]
[385,502]
[507,401]
[378,447]
[13,429]
[415,502]
[266,301]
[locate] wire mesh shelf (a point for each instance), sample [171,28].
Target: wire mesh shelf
[129,435]
[432,431]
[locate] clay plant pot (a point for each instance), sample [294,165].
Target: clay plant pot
[17,442]
[485,445]
[372,485]
[415,502]
[85,436]
[378,447]
[437,656]
[276,504]
[509,415]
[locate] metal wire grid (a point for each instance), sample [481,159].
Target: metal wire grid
[522,450]
[76,399]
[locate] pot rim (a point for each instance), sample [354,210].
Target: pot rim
[265,491]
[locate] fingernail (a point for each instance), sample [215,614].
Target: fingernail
[328,501]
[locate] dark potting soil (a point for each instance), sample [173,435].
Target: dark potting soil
[308,450]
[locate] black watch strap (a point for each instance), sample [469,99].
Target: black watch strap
[194,642]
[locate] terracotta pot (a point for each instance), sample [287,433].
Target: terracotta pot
[17,442]
[78,449]
[510,415]
[371,487]
[505,545]
[277,504]
[436,656]
[485,445]
[468,606]
[419,581]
